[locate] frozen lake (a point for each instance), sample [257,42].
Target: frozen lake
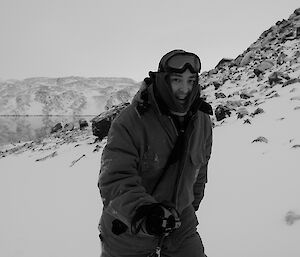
[26,128]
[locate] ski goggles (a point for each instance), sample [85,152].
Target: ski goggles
[179,62]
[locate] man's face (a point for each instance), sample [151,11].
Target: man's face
[182,84]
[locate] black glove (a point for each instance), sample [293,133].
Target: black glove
[118,227]
[156,219]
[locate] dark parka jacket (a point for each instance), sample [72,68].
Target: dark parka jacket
[132,167]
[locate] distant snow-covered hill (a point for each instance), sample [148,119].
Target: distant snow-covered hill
[63,96]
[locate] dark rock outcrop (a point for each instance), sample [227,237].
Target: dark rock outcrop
[222,112]
[56,128]
[83,124]
[260,140]
[220,95]
[101,123]
[69,126]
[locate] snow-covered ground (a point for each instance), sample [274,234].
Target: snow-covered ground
[50,204]
[51,207]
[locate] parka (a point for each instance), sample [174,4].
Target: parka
[133,172]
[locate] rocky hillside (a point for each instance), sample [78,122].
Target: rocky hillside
[236,87]
[63,96]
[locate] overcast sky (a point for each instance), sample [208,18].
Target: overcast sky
[126,38]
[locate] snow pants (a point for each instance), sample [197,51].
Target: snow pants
[183,242]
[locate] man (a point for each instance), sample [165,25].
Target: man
[154,166]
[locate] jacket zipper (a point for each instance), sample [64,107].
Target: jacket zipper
[172,122]
[183,165]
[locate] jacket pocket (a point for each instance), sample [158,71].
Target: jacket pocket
[150,161]
[197,160]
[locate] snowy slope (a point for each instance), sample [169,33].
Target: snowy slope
[51,204]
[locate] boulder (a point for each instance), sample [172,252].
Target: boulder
[101,123]
[291,81]
[233,104]
[247,58]
[222,112]
[247,103]
[101,128]
[69,126]
[245,95]
[223,62]
[257,72]
[297,11]
[247,121]
[260,140]
[242,112]
[212,72]
[83,124]
[296,54]
[56,128]
[265,65]
[277,77]
[257,111]
[237,60]
[220,95]
[217,85]
[281,58]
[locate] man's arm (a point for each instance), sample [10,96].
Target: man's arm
[199,186]
[119,181]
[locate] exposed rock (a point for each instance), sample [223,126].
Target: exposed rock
[281,58]
[56,128]
[47,157]
[277,76]
[223,62]
[237,61]
[212,72]
[290,82]
[245,96]
[257,72]
[295,98]
[257,111]
[297,11]
[261,140]
[233,104]
[101,128]
[291,217]
[101,123]
[242,112]
[217,85]
[247,103]
[296,146]
[75,161]
[69,126]
[220,95]
[83,124]
[264,65]
[247,58]
[274,94]
[222,112]
[247,121]
[251,75]
[97,148]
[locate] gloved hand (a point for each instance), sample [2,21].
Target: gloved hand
[162,220]
[156,219]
